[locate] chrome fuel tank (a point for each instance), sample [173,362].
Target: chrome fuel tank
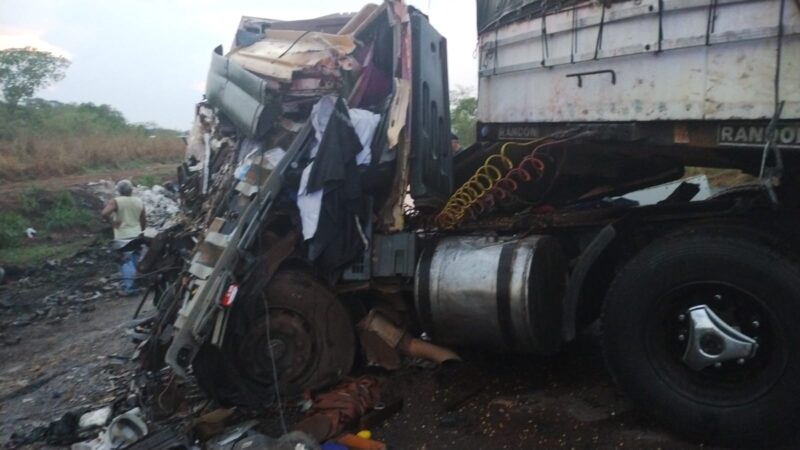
[498,293]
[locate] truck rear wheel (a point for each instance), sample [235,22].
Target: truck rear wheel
[701,330]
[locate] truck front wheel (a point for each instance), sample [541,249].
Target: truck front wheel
[306,340]
[701,330]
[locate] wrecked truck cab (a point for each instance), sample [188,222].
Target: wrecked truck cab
[361,115]
[337,225]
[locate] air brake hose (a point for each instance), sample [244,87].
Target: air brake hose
[470,203]
[478,193]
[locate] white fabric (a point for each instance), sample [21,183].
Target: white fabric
[309,205]
[365,124]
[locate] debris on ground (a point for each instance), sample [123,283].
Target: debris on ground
[339,409]
[82,281]
[96,418]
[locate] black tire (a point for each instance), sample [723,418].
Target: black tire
[756,403]
[298,292]
[317,340]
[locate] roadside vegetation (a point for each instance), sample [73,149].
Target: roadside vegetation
[40,138]
[58,221]
[463,115]
[45,139]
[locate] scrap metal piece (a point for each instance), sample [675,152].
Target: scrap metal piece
[194,318]
[391,338]
[399,110]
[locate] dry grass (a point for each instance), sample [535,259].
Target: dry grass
[37,157]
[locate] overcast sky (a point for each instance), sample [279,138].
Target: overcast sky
[149,58]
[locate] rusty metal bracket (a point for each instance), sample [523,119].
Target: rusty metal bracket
[580,76]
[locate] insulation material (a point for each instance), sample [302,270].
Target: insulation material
[282,53]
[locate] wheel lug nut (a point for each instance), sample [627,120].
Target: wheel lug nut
[717,297]
[740,361]
[756,324]
[717,365]
[681,337]
[682,317]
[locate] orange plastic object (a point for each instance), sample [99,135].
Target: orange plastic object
[354,442]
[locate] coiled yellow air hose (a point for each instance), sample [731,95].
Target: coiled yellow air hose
[487,177]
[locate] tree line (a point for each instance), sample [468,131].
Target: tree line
[25,71]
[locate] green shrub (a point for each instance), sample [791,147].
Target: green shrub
[47,138]
[65,213]
[147,180]
[29,200]
[12,229]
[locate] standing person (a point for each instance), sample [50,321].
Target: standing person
[127,215]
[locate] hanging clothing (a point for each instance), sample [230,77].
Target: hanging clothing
[365,125]
[330,198]
[310,202]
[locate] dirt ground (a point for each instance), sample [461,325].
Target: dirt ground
[566,401]
[489,402]
[61,367]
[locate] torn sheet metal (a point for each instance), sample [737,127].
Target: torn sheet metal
[399,110]
[282,53]
[244,97]
[392,215]
[363,18]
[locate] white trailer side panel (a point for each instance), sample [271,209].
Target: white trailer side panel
[692,60]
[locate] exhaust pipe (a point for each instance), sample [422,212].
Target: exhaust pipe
[403,342]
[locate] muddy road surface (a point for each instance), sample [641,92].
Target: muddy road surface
[65,347]
[80,361]
[76,363]
[514,402]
